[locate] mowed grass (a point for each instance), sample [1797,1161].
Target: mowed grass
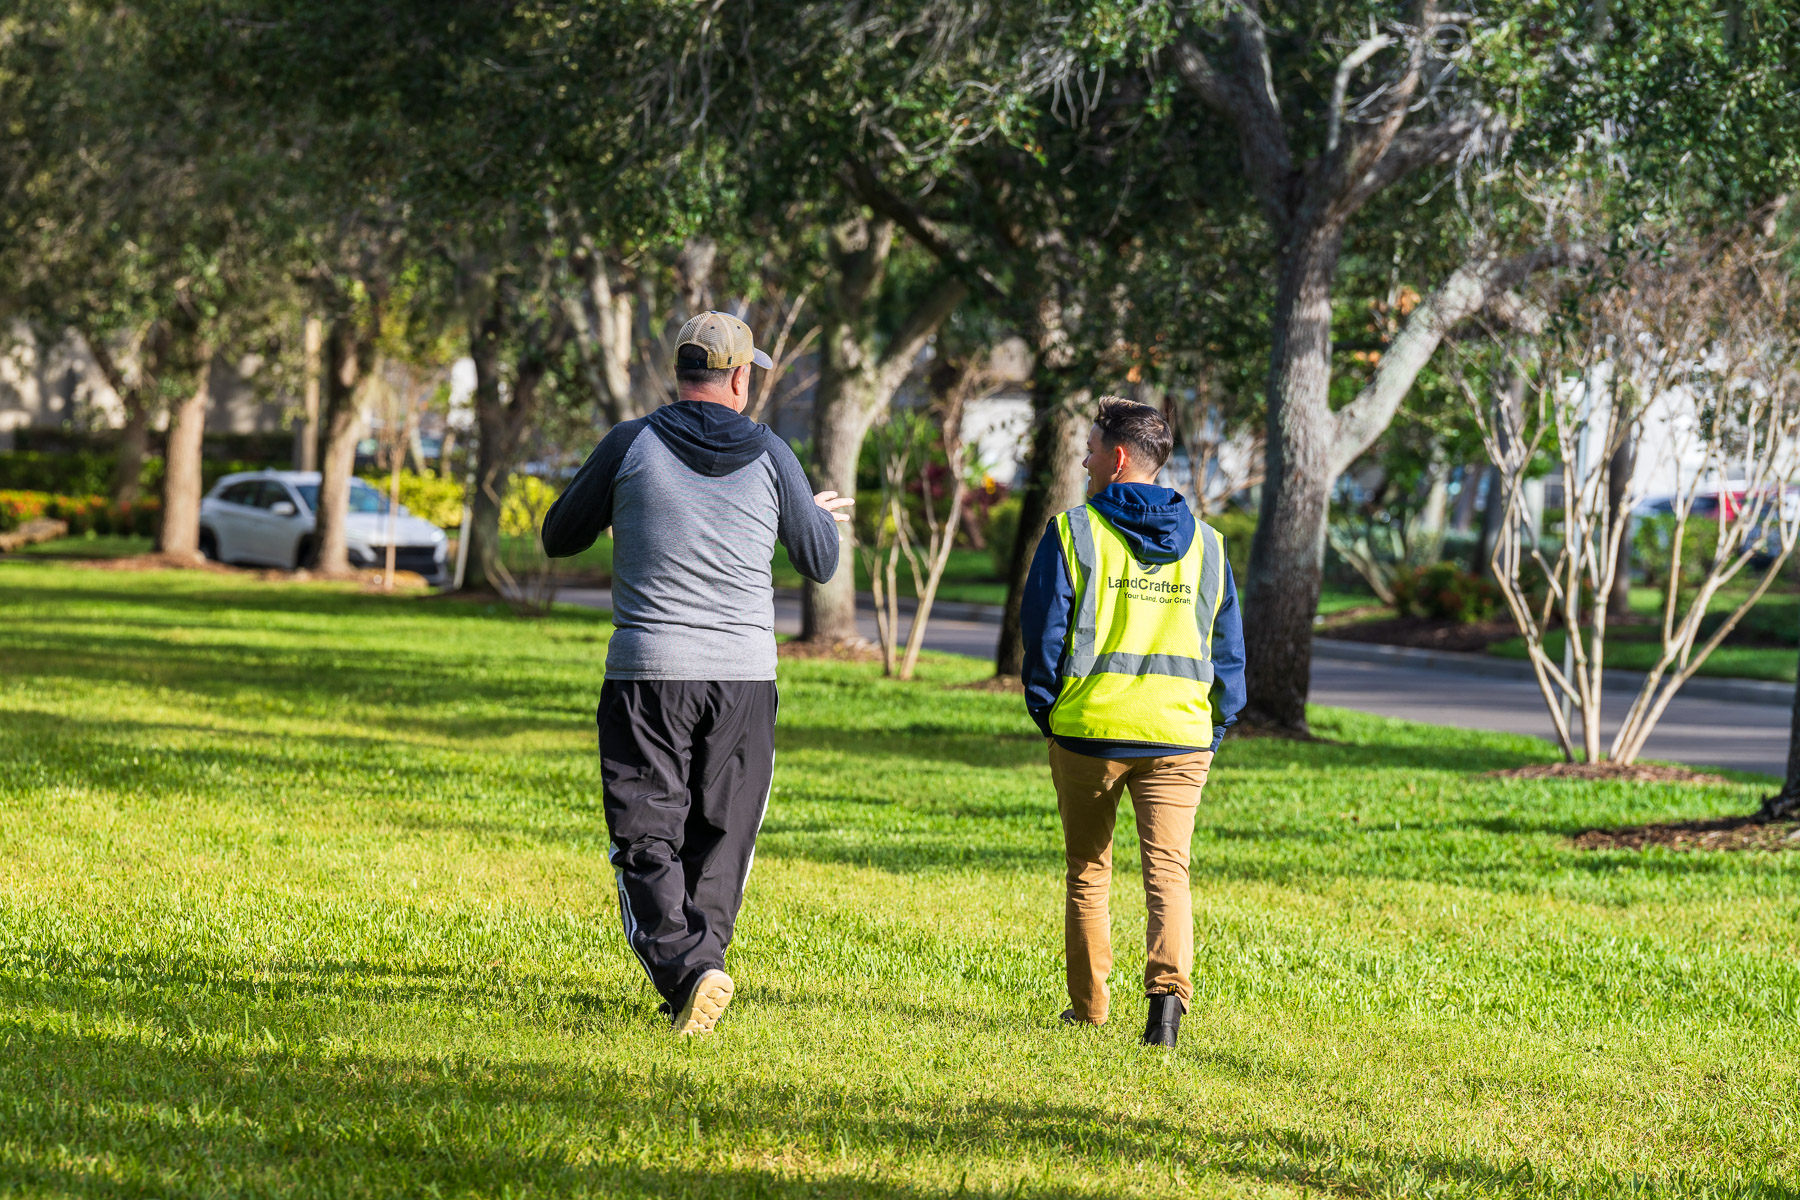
[304,892]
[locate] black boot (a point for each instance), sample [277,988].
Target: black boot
[1164,1025]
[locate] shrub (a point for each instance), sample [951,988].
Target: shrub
[1002,532]
[527,499]
[1237,526]
[84,514]
[16,508]
[1444,592]
[428,497]
[60,474]
[1653,545]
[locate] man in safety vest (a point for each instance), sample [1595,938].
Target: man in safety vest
[1134,668]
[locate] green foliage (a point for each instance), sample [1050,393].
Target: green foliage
[528,498]
[1237,526]
[1444,592]
[1002,532]
[84,514]
[69,474]
[355,922]
[1653,549]
[429,497]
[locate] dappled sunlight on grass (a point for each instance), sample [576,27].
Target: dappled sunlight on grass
[304,891]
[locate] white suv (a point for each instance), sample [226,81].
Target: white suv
[265,518]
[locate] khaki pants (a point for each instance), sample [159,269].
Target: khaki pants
[1165,792]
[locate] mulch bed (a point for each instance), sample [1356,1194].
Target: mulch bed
[845,651]
[1724,833]
[1010,685]
[1611,772]
[154,562]
[369,577]
[1421,633]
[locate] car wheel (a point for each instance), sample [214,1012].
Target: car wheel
[209,545]
[306,554]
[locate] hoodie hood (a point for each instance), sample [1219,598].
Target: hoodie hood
[1155,520]
[709,438]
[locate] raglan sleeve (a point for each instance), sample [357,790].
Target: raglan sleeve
[585,509]
[808,531]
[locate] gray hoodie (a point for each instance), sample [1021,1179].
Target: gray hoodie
[697,496]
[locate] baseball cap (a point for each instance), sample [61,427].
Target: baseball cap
[726,340]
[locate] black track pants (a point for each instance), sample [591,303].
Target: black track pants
[685,767]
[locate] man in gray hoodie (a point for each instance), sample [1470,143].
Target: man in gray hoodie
[696,495]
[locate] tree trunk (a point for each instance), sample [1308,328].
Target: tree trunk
[1785,804]
[490,428]
[603,332]
[1287,554]
[855,384]
[1511,394]
[349,360]
[1492,510]
[1618,483]
[180,534]
[134,447]
[846,404]
[1054,482]
[306,433]
[136,399]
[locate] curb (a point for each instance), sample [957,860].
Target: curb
[1741,691]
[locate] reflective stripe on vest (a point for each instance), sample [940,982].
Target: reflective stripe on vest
[1081,659]
[1147,675]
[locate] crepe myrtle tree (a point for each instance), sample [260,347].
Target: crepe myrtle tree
[1691,354]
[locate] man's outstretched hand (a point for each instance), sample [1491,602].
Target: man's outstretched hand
[831,502]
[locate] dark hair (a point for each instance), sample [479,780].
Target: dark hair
[1137,427]
[690,367]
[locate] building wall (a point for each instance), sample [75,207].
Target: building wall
[47,384]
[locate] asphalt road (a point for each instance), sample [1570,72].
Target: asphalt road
[1744,735]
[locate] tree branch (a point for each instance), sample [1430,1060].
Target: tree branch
[1413,150]
[1360,422]
[865,185]
[1247,99]
[897,360]
[1341,84]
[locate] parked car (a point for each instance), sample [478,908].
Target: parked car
[265,518]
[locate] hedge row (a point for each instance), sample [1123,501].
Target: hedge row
[85,514]
[92,474]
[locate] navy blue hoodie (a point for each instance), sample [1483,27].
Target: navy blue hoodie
[1159,529]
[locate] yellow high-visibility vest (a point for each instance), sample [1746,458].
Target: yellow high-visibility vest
[1137,664]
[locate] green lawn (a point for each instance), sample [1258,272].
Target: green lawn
[304,892]
[90,545]
[1774,619]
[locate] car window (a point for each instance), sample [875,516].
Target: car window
[363,498]
[272,492]
[241,493]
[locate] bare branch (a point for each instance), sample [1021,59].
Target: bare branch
[864,184]
[1341,84]
[1246,97]
[897,360]
[1461,296]
[1414,150]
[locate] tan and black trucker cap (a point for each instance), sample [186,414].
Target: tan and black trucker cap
[726,340]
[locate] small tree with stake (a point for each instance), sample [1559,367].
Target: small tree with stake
[1693,350]
[904,445]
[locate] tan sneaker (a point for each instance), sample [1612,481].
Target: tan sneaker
[705,1004]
